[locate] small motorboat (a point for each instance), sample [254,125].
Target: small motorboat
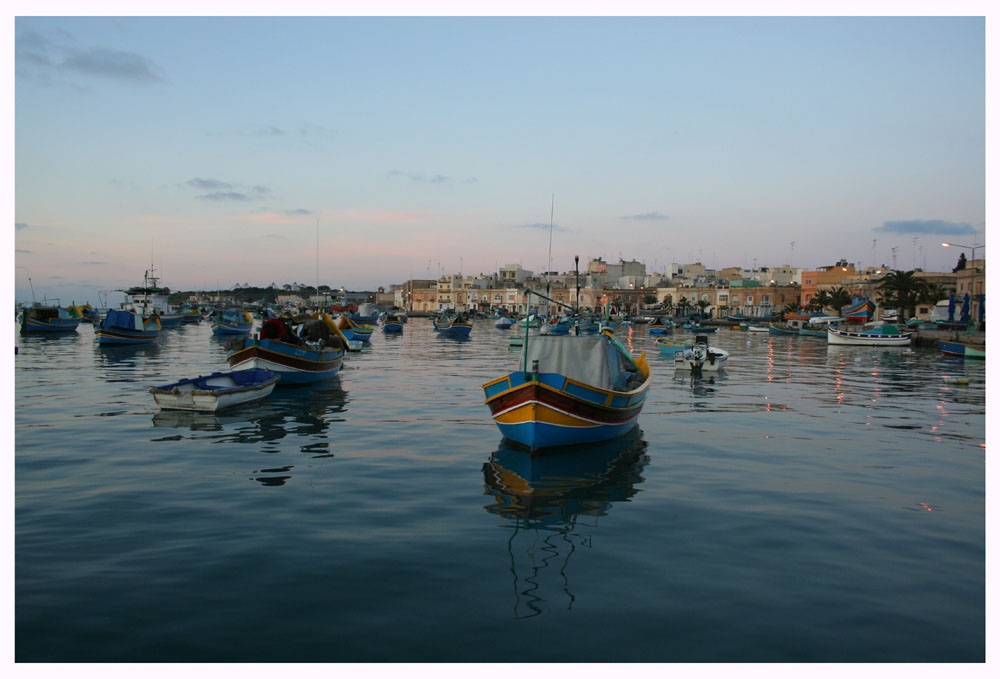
[503,323]
[701,357]
[217,391]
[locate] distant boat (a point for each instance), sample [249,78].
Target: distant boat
[361,332]
[701,357]
[217,391]
[883,335]
[697,327]
[303,352]
[669,347]
[42,318]
[571,390]
[776,329]
[503,323]
[366,314]
[127,327]
[458,326]
[392,324]
[658,327]
[963,349]
[151,298]
[231,322]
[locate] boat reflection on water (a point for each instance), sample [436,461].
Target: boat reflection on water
[702,386]
[306,411]
[547,498]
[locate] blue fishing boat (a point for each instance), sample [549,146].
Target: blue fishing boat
[392,324]
[457,327]
[231,322]
[220,390]
[301,350]
[669,347]
[127,327]
[42,318]
[503,323]
[659,327]
[963,349]
[359,332]
[698,328]
[570,391]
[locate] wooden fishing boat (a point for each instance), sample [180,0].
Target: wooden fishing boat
[41,318]
[882,335]
[231,322]
[776,329]
[360,332]
[698,328]
[302,350]
[217,391]
[127,327]
[963,349]
[457,326]
[392,324]
[569,391]
[660,328]
[152,298]
[701,357]
[503,323]
[758,328]
[669,347]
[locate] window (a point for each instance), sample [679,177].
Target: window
[766,299]
[749,299]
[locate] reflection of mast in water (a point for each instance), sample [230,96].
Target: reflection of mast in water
[549,493]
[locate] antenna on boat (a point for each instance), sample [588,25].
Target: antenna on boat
[548,270]
[32,290]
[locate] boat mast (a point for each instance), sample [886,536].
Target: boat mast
[548,281]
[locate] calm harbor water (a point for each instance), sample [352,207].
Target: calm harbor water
[813,503]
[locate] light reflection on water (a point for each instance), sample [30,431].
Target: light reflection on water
[809,488]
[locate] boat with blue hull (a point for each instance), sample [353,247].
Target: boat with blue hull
[354,331]
[127,327]
[42,318]
[392,324]
[309,351]
[231,322]
[458,326]
[880,336]
[963,349]
[572,390]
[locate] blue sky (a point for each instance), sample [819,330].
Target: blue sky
[214,146]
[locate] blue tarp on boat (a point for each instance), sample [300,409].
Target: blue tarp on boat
[123,319]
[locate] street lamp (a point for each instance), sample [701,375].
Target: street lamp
[972,278]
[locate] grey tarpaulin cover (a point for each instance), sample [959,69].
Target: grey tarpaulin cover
[592,360]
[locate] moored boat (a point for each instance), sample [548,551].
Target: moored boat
[231,322]
[42,318]
[302,350]
[669,347]
[458,326]
[503,323]
[351,330]
[963,349]
[701,357]
[570,390]
[392,324]
[658,327]
[217,391]
[776,329]
[127,327]
[881,335]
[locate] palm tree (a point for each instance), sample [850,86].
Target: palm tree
[840,297]
[703,304]
[792,308]
[684,305]
[932,294]
[820,301]
[902,289]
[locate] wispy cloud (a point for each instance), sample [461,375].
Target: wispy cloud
[422,178]
[160,219]
[27,252]
[926,226]
[39,56]
[208,184]
[647,216]
[224,195]
[20,226]
[94,263]
[542,226]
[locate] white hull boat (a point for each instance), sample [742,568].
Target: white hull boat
[217,391]
[884,336]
